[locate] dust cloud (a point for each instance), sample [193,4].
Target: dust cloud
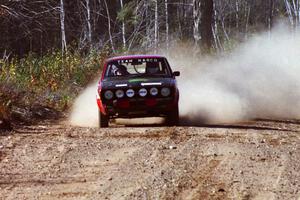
[85,110]
[259,79]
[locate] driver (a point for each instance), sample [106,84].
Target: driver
[121,70]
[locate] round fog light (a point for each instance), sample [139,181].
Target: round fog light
[143,92]
[108,94]
[153,91]
[165,92]
[130,93]
[119,93]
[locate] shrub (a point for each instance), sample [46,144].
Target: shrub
[51,80]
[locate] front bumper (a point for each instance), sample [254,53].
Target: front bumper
[140,107]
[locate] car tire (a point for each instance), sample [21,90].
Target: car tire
[173,117]
[103,120]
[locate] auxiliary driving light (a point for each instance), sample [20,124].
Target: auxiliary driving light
[120,94]
[143,92]
[130,93]
[153,91]
[108,94]
[165,92]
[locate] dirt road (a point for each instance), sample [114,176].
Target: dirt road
[258,160]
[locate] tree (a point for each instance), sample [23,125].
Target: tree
[109,26]
[123,28]
[62,27]
[196,17]
[88,10]
[156,26]
[207,9]
[167,24]
[293,10]
[136,25]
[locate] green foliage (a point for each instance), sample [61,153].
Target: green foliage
[53,79]
[127,14]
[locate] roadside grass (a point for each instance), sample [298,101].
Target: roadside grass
[50,81]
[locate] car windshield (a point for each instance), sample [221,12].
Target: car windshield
[138,67]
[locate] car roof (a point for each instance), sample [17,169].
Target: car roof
[133,57]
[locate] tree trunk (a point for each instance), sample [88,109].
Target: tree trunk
[156,26]
[218,44]
[62,27]
[270,18]
[123,28]
[109,26]
[298,3]
[207,9]
[89,21]
[289,11]
[248,11]
[179,22]
[167,23]
[196,17]
[237,10]
[148,24]
[296,6]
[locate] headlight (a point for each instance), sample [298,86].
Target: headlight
[143,92]
[120,94]
[130,93]
[165,92]
[153,91]
[108,94]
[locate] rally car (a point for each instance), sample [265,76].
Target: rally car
[138,86]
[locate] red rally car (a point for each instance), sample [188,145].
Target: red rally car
[138,86]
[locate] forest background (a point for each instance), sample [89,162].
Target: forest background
[50,50]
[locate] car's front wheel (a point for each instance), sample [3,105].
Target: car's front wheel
[173,117]
[103,120]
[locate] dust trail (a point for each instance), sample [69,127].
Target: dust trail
[260,79]
[85,111]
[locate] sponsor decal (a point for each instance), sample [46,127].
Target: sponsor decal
[150,84]
[121,85]
[137,80]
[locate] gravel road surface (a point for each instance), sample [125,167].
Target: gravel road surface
[253,160]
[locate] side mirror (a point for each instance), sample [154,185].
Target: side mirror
[176,73]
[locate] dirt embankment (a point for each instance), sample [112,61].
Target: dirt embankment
[258,160]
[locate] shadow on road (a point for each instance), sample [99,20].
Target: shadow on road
[257,124]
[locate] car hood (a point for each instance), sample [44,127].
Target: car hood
[137,82]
